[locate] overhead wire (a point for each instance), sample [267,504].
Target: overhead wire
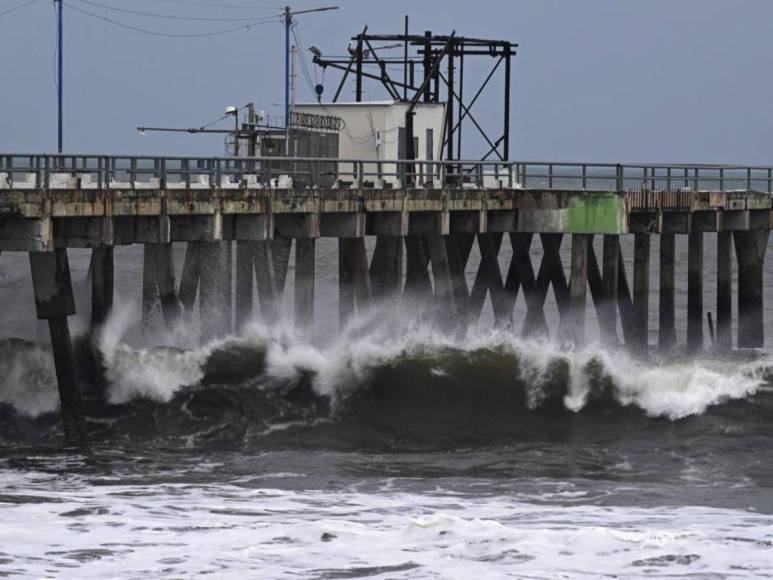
[19,7]
[218,5]
[165,16]
[119,24]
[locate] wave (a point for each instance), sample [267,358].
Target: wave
[380,374]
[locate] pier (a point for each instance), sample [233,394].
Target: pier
[240,218]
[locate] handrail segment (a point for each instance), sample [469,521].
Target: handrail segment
[50,171]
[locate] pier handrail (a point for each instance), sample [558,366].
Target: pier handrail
[53,171]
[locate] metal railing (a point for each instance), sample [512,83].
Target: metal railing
[19,171]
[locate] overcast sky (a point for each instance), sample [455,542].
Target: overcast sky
[597,80]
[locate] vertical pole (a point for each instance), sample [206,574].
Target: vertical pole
[405,61]
[695,292]
[450,104]
[724,291]
[288,20]
[578,286]
[427,65]
[666,306]
[641,291]
[60,75]
[508,58]
[610,259]
[304,282]
[358,90]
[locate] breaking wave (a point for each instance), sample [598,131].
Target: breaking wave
[379,376]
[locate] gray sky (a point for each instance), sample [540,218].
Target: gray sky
[597,80]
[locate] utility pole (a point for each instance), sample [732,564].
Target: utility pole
[60,75]
[287,18]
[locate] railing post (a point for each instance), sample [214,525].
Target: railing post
[479,175]
[770,180]
[162,174]
[721,179]
[686,180]
[510,174]
[45,171]
[619,180]
[748,179]
[550,176]
[653,171]
[695,179]
[524,174]
[668,179]
[187,174]
[584,176]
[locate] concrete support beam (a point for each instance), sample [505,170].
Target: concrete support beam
[724,291]
[245,263]
[641,292]
[418,285]
[578,286]
[666,306]
[214,289]
[296,225]
[189,279]
[608,311]
[695,292]
[305,258]
[353,281]
[750,249]
[342,225]
[102,284]
[389,223]
[429,223]
[386,267]
[54,302]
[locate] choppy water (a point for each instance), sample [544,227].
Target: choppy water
[390,450]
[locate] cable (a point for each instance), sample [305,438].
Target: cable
[216,5]
[171,34]
[165,16]
[19,7]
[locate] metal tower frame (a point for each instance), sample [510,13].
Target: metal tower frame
[428,75]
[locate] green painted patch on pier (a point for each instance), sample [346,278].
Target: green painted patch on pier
[596,213]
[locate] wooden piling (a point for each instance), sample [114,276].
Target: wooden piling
[54,302]
[305,258]
[695,292]
[724,336]
[641,292]
[608,312]
[750,248]
[666,306]
[102,284]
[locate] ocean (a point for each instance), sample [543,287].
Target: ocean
[393,448]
